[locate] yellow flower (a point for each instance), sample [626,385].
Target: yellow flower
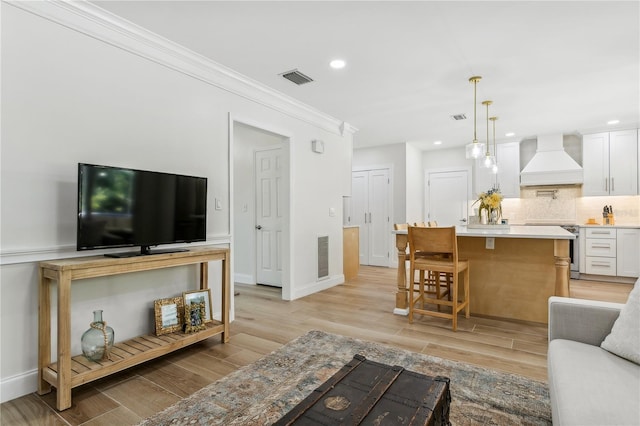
[490,201]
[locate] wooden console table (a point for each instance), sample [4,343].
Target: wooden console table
[69,372]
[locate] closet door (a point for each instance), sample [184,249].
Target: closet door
[370,211]
[359,211]
[379,226]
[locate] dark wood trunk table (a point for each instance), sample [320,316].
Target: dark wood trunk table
[365,392]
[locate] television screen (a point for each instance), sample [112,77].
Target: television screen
[119,207]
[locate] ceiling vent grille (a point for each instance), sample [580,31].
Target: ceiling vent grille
[459,117]
[296,77]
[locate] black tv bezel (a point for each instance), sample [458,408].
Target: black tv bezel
[145,249]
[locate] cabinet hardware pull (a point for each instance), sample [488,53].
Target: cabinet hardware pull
[613,185]
[606,185]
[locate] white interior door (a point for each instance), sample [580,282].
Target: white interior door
[447,197]
[370,211]
[379,228]
[359,211]
[269,214]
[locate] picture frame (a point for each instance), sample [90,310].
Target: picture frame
[194,314]
[169,315]
[202,296]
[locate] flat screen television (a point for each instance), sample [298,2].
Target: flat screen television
[120,207]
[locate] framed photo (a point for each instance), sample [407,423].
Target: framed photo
[169,314]
[200,296]
[194,317]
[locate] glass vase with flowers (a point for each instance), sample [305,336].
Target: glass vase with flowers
[491,202]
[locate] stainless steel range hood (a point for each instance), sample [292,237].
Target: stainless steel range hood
[551,165]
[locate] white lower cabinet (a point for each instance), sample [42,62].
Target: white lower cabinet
[611,251]
[628,252]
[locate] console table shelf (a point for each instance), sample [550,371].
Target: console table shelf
[68,372]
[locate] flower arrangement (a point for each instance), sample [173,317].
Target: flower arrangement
[491,201]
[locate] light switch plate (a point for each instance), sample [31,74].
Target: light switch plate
[218,204]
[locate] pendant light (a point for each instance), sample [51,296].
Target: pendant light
[474,149]
[488,158]
[495,149]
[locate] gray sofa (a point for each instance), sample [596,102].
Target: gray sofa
[588,385]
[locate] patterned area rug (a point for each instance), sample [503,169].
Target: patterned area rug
[260,393]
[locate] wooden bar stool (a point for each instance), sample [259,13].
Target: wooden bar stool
[431,286]
[436,250]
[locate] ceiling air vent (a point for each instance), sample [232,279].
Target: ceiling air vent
[459,117]
[296,77]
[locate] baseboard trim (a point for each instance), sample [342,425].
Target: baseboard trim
[311,288]
[19,385]
[244,279]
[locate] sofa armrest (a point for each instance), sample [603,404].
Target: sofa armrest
[585,321]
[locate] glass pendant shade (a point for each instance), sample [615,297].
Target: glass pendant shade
[474,150]
[489,161]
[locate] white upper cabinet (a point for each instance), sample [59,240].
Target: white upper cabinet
[610,163]
[509,169]
[508,177]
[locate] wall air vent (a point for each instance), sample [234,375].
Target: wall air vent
[296,77]
[459,117]
[323,257]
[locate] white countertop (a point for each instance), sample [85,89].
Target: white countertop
[610,226]
[514,231]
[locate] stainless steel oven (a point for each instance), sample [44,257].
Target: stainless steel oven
[574,250]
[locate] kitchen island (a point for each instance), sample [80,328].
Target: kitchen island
[514,279]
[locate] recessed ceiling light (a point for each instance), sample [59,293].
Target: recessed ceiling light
[613,121]
[437,143]
[337,64]
[509,134]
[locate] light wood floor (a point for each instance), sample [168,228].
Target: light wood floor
[361,308]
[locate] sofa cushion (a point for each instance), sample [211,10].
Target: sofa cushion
[590,386]
[624,339]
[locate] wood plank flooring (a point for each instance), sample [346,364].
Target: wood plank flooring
[360,308]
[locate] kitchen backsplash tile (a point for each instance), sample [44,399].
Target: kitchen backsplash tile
[538,205]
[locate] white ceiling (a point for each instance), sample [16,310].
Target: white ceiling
[548,66]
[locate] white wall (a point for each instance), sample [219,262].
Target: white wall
[68,97]
[444,158]
[415,185]
[393,156]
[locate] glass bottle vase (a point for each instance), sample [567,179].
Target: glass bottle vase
[97,341]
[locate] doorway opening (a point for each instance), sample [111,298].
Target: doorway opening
[260,205]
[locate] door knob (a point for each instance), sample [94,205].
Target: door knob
[463,220]
[258,227]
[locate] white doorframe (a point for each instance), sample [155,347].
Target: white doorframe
[287,242]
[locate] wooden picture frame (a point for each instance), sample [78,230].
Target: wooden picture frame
[194,314]
[202,296]
[169,315]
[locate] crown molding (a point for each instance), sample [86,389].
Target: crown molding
[109,28]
